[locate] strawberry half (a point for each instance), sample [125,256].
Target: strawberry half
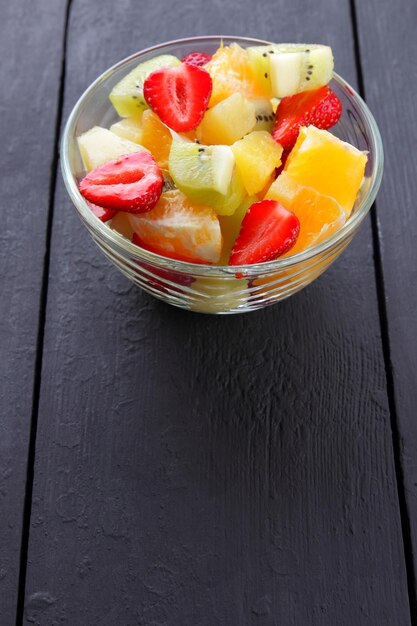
[319,107]
[179,95]
[268,230]
[103,214]
[132,183]
[197,58]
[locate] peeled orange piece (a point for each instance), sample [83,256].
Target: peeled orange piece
[231,73]
[156,138]
[177,228]
[319,184]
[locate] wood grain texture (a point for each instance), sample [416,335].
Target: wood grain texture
[199,471]
[389,74]
[31,36]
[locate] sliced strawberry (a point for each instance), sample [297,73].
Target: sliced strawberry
[268,230]
[179,95]
[132,183]
[103,214]
[197,58]
[319,107]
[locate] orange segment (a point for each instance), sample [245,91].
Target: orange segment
[319,216]
[230,72]
[319,184]
[180,228]
[156,138]
[330,166]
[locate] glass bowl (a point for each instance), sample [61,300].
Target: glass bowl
[204,288]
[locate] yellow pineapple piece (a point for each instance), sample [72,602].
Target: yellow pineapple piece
[99,145]
[228,121]
[257,155]
[128,128]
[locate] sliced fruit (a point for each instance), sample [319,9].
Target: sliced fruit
[120,222]
[231,73]
[156,137]
[179,229]
[103,214]
[207,175]
[327,164]
[216,295]
[264,114]
[128,128]
[99,145]
[197,58]
[319,184]
[268,230]
[230,226]
[154,274]
[227,121]
[132,183]
[127,96]
[320,107]
[286,69]
[320,216]
[257,156]
[179,95]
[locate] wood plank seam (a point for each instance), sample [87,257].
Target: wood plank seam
[386,349]
[40,335]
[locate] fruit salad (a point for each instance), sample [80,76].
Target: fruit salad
[224,159]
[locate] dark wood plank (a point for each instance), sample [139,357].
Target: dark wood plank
[197,470]
[389,53]
[31,37]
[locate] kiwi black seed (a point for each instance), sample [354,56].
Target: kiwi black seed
[266,75]
[264,54]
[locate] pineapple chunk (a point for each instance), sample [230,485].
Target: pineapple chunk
[257,155]
[227,121]
[99,145]
[128,128]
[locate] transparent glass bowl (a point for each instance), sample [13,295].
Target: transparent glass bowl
[204,288]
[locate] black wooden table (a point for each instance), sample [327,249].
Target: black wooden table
[158,467]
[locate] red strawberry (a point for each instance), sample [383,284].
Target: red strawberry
[197,58]
[103,214]
[179,95]
[319,107]
[268,230]
[132,183]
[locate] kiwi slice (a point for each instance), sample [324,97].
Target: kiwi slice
[206,174]
[127,96]
[265,116]
[287,69]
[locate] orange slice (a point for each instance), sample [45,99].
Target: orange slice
[319,184]
[231,73]
[156,138]
[177,228]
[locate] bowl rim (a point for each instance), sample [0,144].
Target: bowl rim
[113,238]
